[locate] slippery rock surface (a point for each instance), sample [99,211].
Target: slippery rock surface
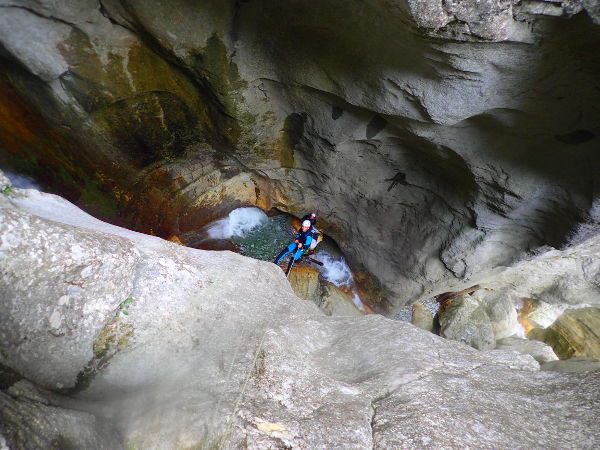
[331,299]
[219,352]
[436,140]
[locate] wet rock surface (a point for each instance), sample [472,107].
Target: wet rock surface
[223,353]
[575,333]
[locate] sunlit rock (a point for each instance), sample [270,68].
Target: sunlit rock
[541,352]
[575,333]
[421,317]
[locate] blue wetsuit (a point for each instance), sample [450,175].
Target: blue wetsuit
[303,237]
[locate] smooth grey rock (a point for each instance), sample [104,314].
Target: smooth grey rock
[74,280]
[222,353]
[541,352]
[466,320]
[578,364]
[501,312]
[558,277]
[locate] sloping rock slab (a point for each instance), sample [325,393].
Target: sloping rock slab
[214,350]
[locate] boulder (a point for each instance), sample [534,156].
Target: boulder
[331,299]
[541,352]
[575,333]
[501,311]
[466,320]
[305,282]
[213,349]
[421,317]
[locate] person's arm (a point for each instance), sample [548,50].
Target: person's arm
[308,240]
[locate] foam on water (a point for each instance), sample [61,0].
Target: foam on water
[22,181]
[238,223]
[334,270]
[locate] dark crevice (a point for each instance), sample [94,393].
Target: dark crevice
[576,137]
[8,377]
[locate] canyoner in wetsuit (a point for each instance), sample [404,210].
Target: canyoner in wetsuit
[301,242]
[312,218]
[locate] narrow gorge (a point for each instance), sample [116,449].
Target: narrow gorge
[451,151]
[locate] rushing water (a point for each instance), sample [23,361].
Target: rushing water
[22,181]
[255,234]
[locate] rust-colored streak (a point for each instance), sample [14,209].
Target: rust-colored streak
[529,305]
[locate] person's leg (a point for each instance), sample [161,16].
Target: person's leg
[289,249]
[298,254]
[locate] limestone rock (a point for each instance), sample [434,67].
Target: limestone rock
[575,333]
[555,277]
[305,282]
[501,311]
[465,320]
[223,354]
[125,105]
[541,352]
[336,301]
[332,300]
[421,317]
[61,273]
[577,364]
[27,423]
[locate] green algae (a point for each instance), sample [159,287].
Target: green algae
[115,336]
[266,240]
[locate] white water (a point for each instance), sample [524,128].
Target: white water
[22,181]
[239,222]
[336,271]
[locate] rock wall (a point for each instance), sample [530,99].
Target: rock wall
[435,139]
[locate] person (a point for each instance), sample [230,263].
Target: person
[312,217]
[302,240]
